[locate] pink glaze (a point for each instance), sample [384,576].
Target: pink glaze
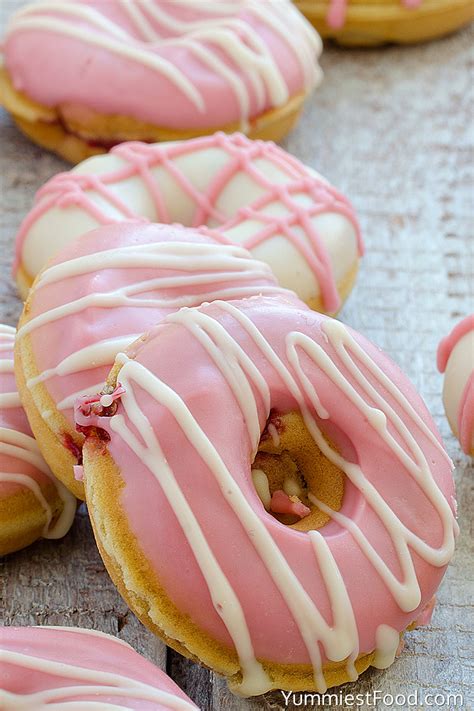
[282,503]
[53,665]
[336,15]
[78,471]
[378,455]
[180,275]
[241,60]
[465,416]
[76,195]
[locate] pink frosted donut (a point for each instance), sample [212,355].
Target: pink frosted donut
[62,667]
[258,196]
[193,547]
[375,22]
[456,361]
[105,71]
[33,504]
[100,294]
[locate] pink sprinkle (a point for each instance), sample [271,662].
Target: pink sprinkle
[336,15]
[118,392]
[78,472]
[284,504]
[83,404]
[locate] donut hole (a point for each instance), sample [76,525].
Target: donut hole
[288,467]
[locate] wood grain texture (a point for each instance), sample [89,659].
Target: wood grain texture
[393,129]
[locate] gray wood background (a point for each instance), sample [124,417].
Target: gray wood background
[393,129]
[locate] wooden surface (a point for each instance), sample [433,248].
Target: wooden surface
[393,129]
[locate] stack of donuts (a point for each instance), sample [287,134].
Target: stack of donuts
[179,366]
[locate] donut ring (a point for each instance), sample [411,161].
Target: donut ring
[104,290]
[258,196]
[188,541]
[100,67]
[43,666]
[456,361]
[33,504]
[375,22]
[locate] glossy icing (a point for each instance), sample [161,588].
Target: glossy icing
[336,15]
[456,361]
[188,427]
[21,464]
[256,194]
[106,289]
[62,667]
[216,63]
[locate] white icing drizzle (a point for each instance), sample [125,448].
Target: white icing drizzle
[136,15]
[387,640]
[81,12]
[100,353]
[85,631]
[222,594]
[10,400]
[7,340]
[262,487]
[6,366]
[339,638]
[341,606]
[21,446]
[124,296]
[202,267]
[206,264]
[217,259]
[304,50]
[91,682]
[9,336]
[218,32]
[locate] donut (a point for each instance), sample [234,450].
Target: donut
[66,667]
[33,503]
[375,22]
[83,75]
[298,583]
[456,361]
[256,194]
[104,291]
